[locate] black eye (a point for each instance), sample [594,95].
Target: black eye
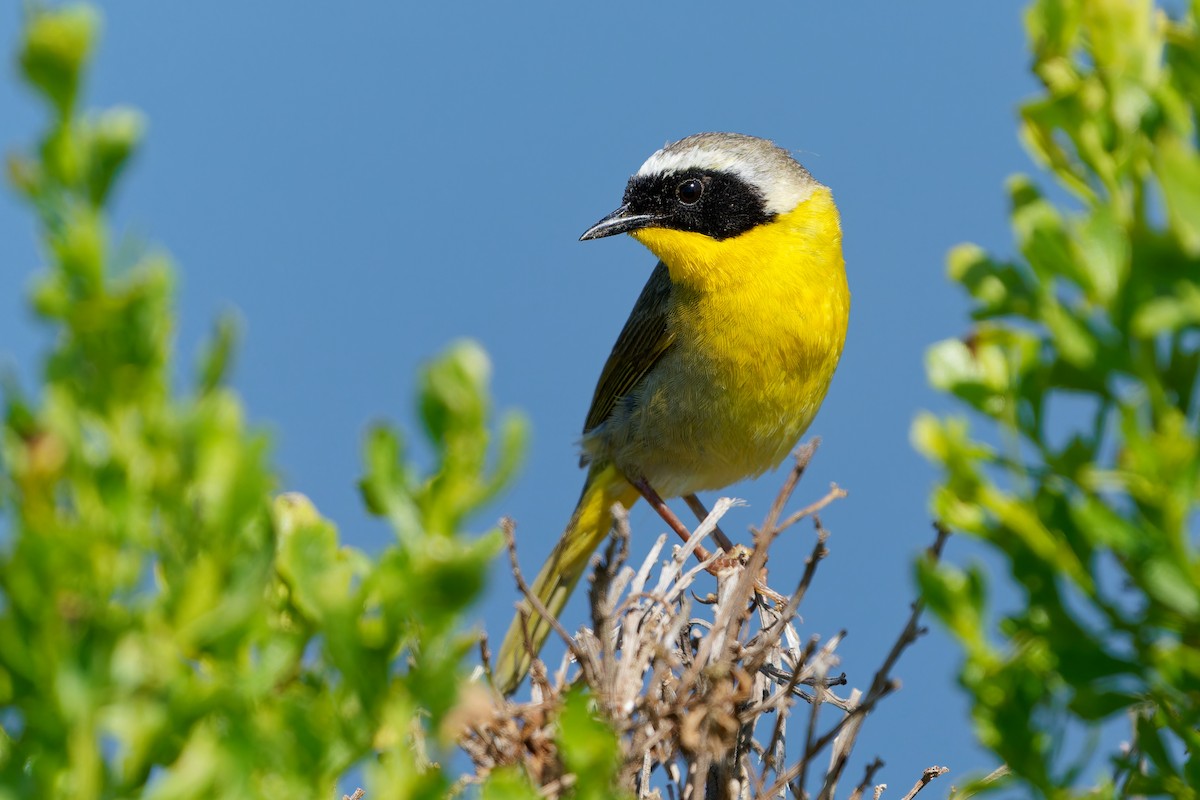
[689,191]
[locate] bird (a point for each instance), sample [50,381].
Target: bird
[726,356]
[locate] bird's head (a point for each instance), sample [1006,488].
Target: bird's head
[695,197]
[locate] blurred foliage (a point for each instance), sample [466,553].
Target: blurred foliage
[591,751]
[585,760]
[168,627]
[1084,367]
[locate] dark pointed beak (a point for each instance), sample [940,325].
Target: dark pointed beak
[619,221]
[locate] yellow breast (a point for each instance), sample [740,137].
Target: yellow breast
[759,321]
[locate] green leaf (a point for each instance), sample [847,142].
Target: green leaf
[1000,288]
[508,783]
[1096,705]
[112,138]
[217,355]
[1178,169]
[514,442]
[1123,40]
[1052,26]
[956,597]
[386,486]
[1170,583]
[319,575]
[589,747]
[432,579]
[1074,340]
[1105,527]
[1041,231]
[951,363]
[56,46]
[1168,313]
[453,392]
[1102,254]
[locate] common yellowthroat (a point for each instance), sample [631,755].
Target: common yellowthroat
[726,356]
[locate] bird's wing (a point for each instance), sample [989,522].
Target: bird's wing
[643,341]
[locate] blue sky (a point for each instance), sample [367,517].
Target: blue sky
[365,182]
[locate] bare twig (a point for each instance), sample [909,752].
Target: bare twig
[810,732]
[975,787]
[701,513]
[810,566]
[881,686]
[485,658]
[768,634]
[803,456]
[509,527]
[776,739]
[835,493]
[868,776]
[929,774]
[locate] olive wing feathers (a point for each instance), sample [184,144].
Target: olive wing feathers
[645,338]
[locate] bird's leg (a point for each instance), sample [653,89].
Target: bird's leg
[737,551]
[657,503]
[701,513]
[740,554]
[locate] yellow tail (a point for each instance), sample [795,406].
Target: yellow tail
[589,525]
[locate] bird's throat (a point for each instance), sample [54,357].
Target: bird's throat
[807,238]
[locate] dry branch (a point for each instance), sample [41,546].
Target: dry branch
[700,694]
[926,777]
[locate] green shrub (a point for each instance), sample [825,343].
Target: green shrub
[1084,366]
[169,627]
